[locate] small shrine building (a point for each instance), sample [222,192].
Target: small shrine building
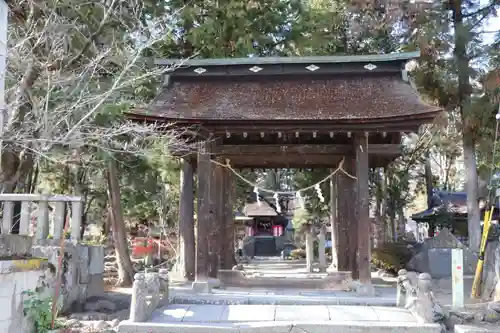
[295,112]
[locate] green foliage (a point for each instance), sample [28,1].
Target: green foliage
[315,209]
[301,216]
[298,254]
[391,256]
[39,311]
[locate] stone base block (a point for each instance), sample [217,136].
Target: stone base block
[365,289]
[214,283]
[332,269]
[201,287]
[476,329]
[336,281]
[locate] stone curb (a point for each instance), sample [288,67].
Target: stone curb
[475,329]
[280,327]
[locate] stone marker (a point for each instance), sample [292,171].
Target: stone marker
[457,273]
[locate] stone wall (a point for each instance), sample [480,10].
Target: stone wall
[17,276]
[82,267]
[434,256]
[82,272]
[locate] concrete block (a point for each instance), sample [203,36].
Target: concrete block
[83,260]
[204,314]
[244,313]
[365,290]
[394,314]
[96,259]
[311,312]
[170,313]
[129,327]
[476,329]
[214,283]
[364,327]
[201,287]
[266,327]
[15,245]
[351,313]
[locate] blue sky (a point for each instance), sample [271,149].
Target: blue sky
[493,24]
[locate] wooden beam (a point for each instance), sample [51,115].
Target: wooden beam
[305,149]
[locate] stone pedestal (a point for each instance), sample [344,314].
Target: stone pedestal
[366,289]
[201,287]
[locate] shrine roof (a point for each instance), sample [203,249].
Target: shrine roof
[341,59]
[344,89]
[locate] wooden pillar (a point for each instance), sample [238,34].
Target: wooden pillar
[203,213]
[228,245]
[216,204]
[363,211]
[334,223]
[186,222]
[347,224]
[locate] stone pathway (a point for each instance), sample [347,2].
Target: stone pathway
[250,313]
[275,310]
[177,318]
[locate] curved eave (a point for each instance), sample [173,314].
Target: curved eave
[395,123]
[402,56]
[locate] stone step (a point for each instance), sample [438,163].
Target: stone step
[279,319]
[281,327]
[256,297]
[486,328]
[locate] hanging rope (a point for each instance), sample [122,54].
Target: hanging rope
[249,182]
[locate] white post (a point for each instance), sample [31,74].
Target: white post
[42,224]
[457,278]
[24,226]
[59,220]
[8,214]
[4,15]
[321,249]
[309,250]
[76,220]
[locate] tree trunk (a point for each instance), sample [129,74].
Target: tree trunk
[471,187]
[428,180]
[15,164]
[401,221]
[125,267]
[468,127]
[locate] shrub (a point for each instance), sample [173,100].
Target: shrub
[391,256]
[298,254]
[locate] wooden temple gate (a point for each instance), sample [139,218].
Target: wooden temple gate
[307,112]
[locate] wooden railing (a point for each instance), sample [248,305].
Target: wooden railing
[43,225]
